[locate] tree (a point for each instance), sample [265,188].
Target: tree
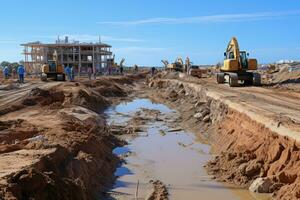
[10,66]
[5,63]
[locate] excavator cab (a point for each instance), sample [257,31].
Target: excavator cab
[53,70]
[176,66]
[52,66]
[244,60]
[228,55]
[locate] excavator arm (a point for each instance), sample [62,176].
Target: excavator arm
[180,61]
[187,61]
[165,62]
[233,47]
[122,61]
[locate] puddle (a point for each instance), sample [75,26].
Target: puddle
[175,158]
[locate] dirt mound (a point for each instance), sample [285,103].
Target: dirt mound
[251,151]
[247,149]
[35,97]
[111,91]
[10,86]
[15,134]
[89,99]
[159,191]
[286,75]
[43,97]
[282,77]
[81,166]
[169,75]
[115,80]
[77,162]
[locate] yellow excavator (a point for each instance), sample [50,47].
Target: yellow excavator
[111,62]
[53,70]
[236,67]
[178,65]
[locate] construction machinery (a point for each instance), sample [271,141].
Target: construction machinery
[236,67]
[53,70]
[178,65]
[196,71]
[111,63]
[193,70]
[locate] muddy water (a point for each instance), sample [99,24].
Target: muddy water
[166,153]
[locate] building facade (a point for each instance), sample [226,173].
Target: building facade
[76,54]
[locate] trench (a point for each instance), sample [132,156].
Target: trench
[161,150]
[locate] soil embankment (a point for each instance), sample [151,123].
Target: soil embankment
[252,142]
[54,142]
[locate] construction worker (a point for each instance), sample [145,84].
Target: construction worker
[21,73]
[90,72]
[121,69]
[187,64]
[136,69]
[6,72]
[72,73]
[109,70]
[153,69]
[68,72]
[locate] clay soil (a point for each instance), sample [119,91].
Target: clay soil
[54,142]
[253,131]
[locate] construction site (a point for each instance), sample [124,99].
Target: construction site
[79,55]
[92,120]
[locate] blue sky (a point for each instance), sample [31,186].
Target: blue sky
[146,31]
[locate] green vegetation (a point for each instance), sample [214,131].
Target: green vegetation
[10,65]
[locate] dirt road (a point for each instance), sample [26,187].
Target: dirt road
[276,109]
[14,92]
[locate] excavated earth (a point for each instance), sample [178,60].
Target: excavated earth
[55,144]
[253,131]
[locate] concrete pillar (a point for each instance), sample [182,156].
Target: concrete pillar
[94,68]
[79,64]
[73,51]
[61,56]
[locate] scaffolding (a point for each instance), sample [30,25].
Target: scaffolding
[76,54]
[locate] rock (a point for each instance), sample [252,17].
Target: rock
[253,169]
[261,185]
[182,91]
[198,116]
[287,178]
[173,94]
[275,187]
[242,168]
[199,103]
[206,118]
[151,84]
[231,156]
[205,112]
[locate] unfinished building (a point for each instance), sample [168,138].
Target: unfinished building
[76,54]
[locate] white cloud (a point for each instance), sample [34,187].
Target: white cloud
[208,18]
